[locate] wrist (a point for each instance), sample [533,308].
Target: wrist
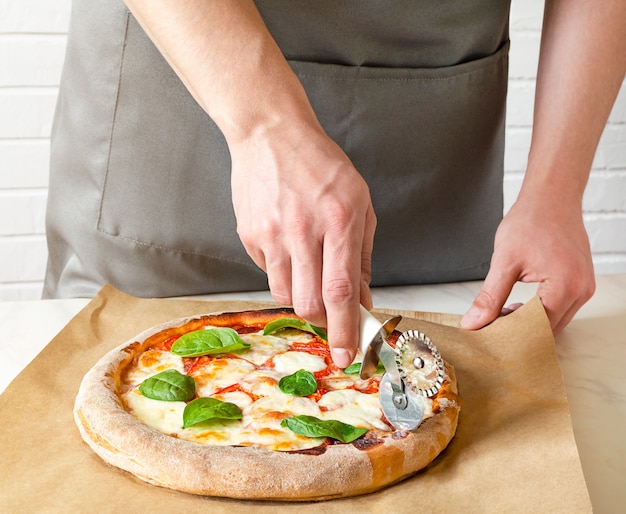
[556,177]
[280,131]
[264,100]
[285,123]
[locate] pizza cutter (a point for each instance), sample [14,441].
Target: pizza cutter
[373,334]
[413,369]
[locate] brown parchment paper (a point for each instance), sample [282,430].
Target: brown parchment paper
[514,450]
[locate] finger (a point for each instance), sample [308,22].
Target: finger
[341,276]
[563,298]
[489,302]
[365,295]
[510,308]
[257,256]
[279,278]
[307,282]
[559,325]
[556,302]
[366,259]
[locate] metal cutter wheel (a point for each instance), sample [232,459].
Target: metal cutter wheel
[419,363]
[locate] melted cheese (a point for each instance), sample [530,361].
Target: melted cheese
[262,382]
[220,373]
[167,417]
[152,362]
[289,362]
[263,347]
[353,407]
[250,381]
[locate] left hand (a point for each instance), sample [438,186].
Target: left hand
[540,240]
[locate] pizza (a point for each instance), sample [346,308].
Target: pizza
[249,405]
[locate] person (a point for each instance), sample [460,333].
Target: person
[362,145]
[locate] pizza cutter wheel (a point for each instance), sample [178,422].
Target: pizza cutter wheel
[419,363]
[402,406]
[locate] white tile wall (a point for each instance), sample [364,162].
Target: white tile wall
[32,41]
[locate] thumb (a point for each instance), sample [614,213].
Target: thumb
[488,303]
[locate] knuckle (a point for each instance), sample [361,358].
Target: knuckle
[245,235]
[300,228]
[282,297]
[339,290]
[268,231]
[259,229]
[340,216]
[486,299]
[310,309]
[582,287]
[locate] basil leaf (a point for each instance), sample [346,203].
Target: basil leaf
[169,386]
[311,426]
[355,368]
[211,341]
[301,383]
[205,409]
[305,326]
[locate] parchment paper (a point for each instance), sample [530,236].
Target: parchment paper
[514,450]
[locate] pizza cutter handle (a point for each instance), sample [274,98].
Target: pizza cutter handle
[372,335]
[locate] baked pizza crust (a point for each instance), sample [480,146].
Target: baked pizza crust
[331,471]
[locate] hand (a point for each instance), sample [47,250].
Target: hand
[542,239]
[539,240]
[305,216]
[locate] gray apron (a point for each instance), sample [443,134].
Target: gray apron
[414,92]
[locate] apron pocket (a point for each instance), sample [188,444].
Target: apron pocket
[167,180]
[430,143]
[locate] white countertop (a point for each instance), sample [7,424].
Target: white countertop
[591,350]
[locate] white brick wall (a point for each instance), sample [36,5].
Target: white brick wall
[32,40]
[32,46]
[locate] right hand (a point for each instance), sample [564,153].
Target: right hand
[304,213]
[305,216]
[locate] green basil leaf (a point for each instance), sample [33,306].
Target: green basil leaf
[279,324]
[169,386]
[311,426]
[205,409]
[209,342]
[301,383]
[321,333]
[355,368]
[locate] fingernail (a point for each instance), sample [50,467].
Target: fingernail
[341,357]
[470,316]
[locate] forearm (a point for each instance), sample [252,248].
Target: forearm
[581,67]
[228,60]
